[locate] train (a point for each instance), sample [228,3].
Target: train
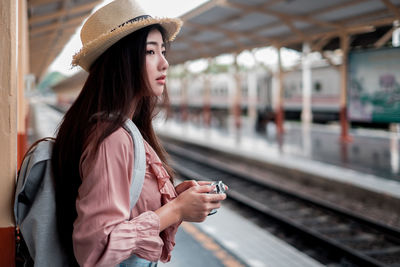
[218,91]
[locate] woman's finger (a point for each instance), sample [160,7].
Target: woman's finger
[185,185]
[216,197]
[204,188]
[204,182]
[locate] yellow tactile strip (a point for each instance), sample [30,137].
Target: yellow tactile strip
[208,243]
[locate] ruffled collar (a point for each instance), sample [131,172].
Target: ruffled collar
[168,193]
[166,188]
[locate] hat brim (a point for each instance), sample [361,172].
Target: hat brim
[92,50]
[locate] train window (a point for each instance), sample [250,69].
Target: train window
[317,86]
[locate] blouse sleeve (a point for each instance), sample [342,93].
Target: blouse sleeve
[103,235]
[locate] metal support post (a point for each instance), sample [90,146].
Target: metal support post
[306,114]
[344,44]
[237,100]
[280,116]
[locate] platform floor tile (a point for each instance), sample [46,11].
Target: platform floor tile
[249,243]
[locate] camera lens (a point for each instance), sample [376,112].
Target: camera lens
[219,189]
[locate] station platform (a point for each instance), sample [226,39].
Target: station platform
[229,239]
[370,161]
[223,239]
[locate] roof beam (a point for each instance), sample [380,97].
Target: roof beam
[210,50]
[261,9]
[318,31]
[353,20]
[200,10]
[351,30]
[63,12]
[285,19]
[331,34]
[244,11]
[228,32]
[40,48]
[335,7]
[374,23]
[319,44]
[54,40]
[42,2]
[296,31]
[50,35]
[215,51]
[384,38]
[392,8]
[41,38]
[56,25]
[64,37]
[247,34]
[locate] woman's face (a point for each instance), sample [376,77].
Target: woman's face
[156,64]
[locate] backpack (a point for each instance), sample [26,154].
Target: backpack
[34,205]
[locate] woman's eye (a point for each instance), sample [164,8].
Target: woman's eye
[150,52]
[164,52]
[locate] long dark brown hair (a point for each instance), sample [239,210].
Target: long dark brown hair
[116,80]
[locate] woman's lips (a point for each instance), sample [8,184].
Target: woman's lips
[161,79]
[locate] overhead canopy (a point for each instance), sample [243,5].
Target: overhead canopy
[226,26]
[51,24]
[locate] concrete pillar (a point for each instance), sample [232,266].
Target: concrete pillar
[23,79]
[306,114]
[8,127]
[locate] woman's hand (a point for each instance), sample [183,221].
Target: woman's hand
[194,204]
[188,184]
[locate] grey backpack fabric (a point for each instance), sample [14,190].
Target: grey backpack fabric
[34,205]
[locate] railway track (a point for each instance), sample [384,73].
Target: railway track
[362,241]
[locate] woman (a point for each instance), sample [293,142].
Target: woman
[124,53]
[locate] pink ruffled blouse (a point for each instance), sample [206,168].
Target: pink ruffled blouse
[105,231]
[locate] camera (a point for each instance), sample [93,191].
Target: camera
[219,189]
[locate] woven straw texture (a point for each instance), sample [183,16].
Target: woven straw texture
[102,29]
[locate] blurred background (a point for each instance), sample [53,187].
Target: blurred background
[295,104]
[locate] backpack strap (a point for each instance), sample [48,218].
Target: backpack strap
[139,162]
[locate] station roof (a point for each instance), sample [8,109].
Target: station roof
[51,25]
[229,26]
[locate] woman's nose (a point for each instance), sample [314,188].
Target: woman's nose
[163,63]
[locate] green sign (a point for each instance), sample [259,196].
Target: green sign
[374,85]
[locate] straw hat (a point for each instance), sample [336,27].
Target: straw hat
[111,23]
